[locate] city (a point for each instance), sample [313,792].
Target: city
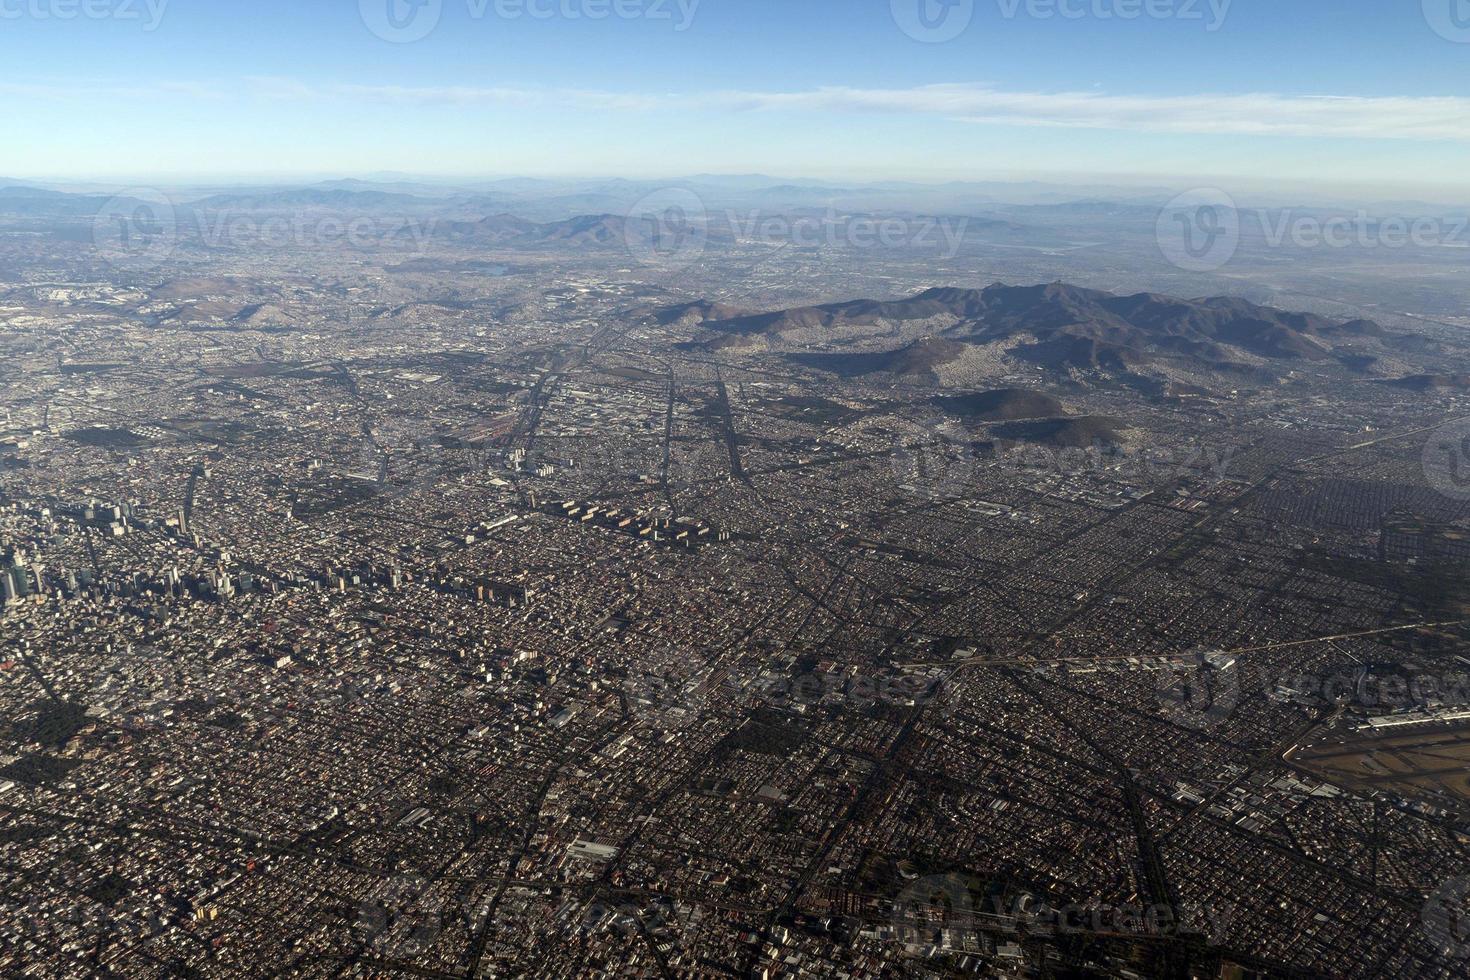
[726,575]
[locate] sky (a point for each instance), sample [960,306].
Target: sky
[1351,91]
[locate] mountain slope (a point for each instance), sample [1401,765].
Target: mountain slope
[1072,433]
[922,357]
[1065,328]
[1003,405]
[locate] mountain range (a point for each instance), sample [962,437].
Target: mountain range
[595,230]
[1057,327]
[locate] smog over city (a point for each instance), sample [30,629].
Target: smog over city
[848,490]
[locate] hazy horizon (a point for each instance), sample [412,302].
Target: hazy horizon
[1351,92]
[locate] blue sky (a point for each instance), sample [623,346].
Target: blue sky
[1354,91]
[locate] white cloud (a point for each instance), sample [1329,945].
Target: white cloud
[1259,114]
[1427,118]
[1419,118]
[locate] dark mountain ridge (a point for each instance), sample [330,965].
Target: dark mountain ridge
[920,358]
[1002,405]
[1066,327]
[1429,382]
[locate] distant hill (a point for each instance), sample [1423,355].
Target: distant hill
[954,303]
[1077,433]
[1429,382]
[391,187]
[308,197]
[1003,405]
[697,312]
[590,229]
[35,201]
[493,229]
[585,231]
[1070,329]
[1085,353]
[921,358]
